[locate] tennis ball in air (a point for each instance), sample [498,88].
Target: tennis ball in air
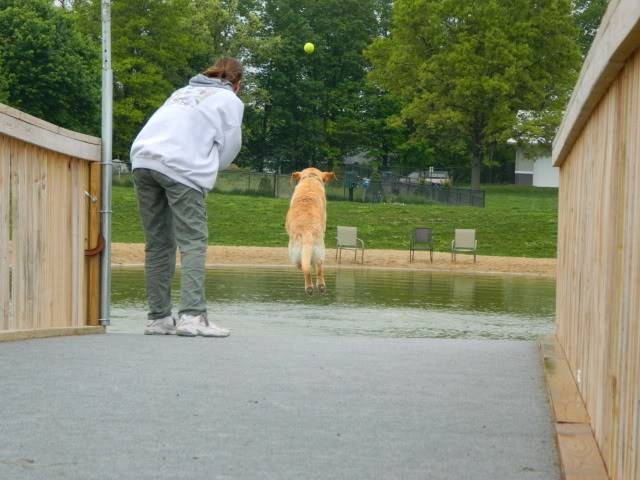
[309,47]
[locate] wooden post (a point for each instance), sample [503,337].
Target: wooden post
[93,240]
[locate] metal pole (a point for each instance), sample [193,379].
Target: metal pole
[107,165]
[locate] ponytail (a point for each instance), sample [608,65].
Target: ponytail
[228,69]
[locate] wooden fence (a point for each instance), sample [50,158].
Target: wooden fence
[598,284]
[49,216]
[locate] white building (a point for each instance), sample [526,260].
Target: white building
[536,169]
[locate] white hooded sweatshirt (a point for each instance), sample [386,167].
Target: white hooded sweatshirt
[195,134]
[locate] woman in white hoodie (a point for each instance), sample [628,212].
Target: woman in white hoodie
[175,160]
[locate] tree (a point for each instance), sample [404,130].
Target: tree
[154,43]
[4,84]
[237,28]
[588,14]
[464,71]
[311,109]
[158,45]
[386,140]
[47,67]
[300,109]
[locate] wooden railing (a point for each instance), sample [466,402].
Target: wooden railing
[598,284]
[49,216]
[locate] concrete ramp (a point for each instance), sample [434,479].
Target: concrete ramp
[121,406]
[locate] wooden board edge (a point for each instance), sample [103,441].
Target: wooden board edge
[579,455]
[43,124]
[16,335]
[34,131]
[566,401]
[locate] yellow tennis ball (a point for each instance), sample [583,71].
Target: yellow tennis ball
[309,47]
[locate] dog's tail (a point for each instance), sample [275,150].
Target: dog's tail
[307,252]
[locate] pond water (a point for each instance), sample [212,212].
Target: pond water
[379,303]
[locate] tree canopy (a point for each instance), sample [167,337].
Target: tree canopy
[47,66]
[411,83]
[470,75]
[588,14]
[313,107]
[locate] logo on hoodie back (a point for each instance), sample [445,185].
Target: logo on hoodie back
[190,96]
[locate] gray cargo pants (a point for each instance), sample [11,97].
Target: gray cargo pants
[172,215]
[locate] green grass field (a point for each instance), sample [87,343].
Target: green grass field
[517,221]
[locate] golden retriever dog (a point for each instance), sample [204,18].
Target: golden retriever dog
[306,222]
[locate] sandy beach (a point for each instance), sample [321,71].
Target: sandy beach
[132,254]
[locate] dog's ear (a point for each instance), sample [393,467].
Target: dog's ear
[328,176]
[295,177]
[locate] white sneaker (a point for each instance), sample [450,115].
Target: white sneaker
[161,326]
[193,325]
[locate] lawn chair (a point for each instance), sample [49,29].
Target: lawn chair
[347,239]
[421,239]
[464,242]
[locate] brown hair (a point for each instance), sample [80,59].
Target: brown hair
[225,69]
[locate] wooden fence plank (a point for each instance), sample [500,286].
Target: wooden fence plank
[74,202]
[20,216]
[5,237]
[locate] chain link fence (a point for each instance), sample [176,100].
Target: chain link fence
[389,189]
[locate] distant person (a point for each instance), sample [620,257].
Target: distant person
[175,160]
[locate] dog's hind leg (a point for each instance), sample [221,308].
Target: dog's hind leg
[322,288]
[307,250]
